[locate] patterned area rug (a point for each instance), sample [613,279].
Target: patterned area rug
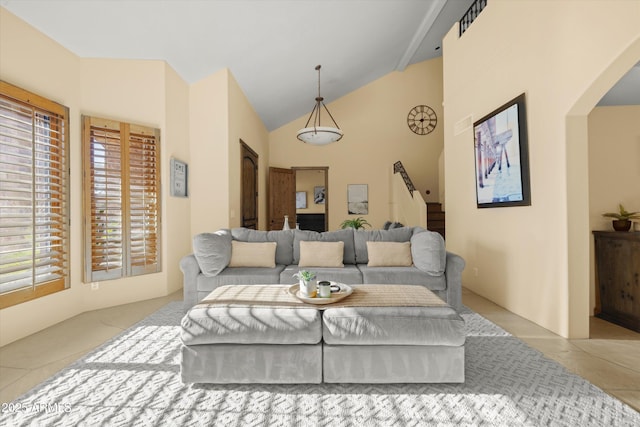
[134,379]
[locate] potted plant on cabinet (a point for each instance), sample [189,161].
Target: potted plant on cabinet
[623,218]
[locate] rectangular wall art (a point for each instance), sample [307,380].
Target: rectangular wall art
[179,178]
[502,156]
[301,199]
[357,199]
[318,195]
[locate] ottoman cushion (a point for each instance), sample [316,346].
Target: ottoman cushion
[432,326]
[206,324]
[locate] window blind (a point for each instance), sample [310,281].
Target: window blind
[105,206]
[143,201]
[122,209]
[33,196]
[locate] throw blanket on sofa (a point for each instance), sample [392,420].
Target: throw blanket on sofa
[362,296]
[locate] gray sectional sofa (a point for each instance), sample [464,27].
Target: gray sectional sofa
[211,264]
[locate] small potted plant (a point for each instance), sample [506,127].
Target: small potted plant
[308,287]
[355,223]
[623,218]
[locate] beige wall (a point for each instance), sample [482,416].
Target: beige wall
[614,167]
[533,260]
[209,149]
[145,92]
[374,120]
[176,221]
[537,253]
[221,116]
[246,125]
[406,208]
[17,38]
[131,91]
[200,124]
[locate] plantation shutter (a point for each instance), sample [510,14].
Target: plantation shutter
[122,187]
[103,155]
[33,196]
[144,185]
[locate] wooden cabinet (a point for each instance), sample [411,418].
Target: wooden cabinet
[618,277]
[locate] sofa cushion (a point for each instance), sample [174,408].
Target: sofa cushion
[284,239]
[401,275]
[345,236]
[432,326]
[321,254]
[239,276]
[349,274]
[212,251]
[428,251]
[254,254]
[389,254]
[361,237]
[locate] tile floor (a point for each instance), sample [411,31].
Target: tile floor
[610,359]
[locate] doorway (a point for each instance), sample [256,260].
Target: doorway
[300,193]
[249,187]
[312,198]
[579,238]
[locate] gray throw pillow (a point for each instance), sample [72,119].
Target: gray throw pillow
[428,252]
[212,251]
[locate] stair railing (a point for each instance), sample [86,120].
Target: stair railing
[399,168]
[471,14]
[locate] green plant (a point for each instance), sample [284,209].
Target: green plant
[355,223]
[305,275]
[622,214]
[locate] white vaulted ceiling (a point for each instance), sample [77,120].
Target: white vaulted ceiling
[270,46]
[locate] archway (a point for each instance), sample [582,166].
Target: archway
[578,188]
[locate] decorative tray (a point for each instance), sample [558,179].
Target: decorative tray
[343,292]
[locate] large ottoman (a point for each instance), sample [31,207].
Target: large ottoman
[381,333]
[393,344]
[251,345]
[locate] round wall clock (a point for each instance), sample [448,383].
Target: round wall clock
[422,119]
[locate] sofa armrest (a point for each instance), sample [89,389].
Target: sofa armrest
[190,270]
[453,273]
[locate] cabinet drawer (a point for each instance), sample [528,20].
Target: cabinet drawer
[618,277]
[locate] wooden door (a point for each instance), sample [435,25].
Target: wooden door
[282,197]
[249,187]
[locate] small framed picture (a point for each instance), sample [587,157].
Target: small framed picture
[357,199]
[301,199]
[318,195]
[179,178]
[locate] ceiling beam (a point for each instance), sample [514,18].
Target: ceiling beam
[420,34]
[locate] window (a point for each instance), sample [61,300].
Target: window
[122,199]
[34,204]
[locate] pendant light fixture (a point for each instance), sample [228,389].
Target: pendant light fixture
[318,134]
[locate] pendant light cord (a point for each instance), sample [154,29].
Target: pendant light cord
[318,68]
